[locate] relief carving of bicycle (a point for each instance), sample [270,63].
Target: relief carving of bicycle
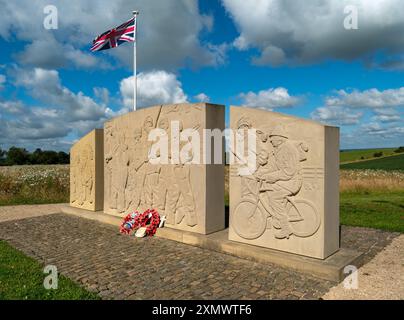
[253,216]
[268,196]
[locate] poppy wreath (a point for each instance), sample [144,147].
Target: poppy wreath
[128,223]
[133,221]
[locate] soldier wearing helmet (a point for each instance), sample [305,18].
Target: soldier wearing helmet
[285,181]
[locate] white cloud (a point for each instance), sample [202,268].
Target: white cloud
[386,118]
[375,129]
[102,94]
[20,122]
[202,97]
[336,116]
[372,98]
[269,99]
[300,32]
[62,111]
[155,87]
[168,33]
[12,107]
[64,114]
[341,108]
[45,86]
[49,53]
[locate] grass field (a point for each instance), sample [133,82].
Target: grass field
[380,210]
[372,198]
[21,278]
[388,163]
[363,154]
[369,198]
[34,184]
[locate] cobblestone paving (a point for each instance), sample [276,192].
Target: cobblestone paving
[122,267]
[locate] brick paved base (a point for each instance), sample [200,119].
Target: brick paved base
[331,268]
[122,267]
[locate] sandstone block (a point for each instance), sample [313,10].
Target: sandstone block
[290,202]
[87,172]
[189,192]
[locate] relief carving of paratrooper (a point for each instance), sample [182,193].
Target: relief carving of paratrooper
[84,176]
[152,171]
[118,160]
[136,174]
[285,181]
[181,200]
[268,194]
[174,194]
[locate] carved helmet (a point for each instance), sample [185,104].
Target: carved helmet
[279,131]
[244,122]
[148,124]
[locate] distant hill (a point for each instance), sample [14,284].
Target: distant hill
[387,163]
[364,154]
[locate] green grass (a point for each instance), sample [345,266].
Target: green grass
[34,185]
[388,163]
[21,278]
[379,210]
[31,201]
[356,155]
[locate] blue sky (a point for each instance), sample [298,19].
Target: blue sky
[294,57]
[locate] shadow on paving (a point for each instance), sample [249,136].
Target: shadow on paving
[98,257]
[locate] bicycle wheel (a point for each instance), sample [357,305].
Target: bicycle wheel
[310,218]
[248,220]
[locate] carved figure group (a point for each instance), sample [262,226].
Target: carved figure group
[137,184]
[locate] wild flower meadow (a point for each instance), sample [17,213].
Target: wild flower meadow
[34,184]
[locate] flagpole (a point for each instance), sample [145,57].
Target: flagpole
[135,13]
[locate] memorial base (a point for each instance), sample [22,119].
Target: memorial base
[331,268]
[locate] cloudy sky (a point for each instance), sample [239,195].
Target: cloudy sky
[291,56]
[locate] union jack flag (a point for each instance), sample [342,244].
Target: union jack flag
[115,37]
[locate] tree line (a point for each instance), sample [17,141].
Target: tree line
[21,156]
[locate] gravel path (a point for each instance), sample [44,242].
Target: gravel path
[381,278]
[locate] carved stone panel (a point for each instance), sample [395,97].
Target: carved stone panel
[87,172]
[188,192]
[290,201]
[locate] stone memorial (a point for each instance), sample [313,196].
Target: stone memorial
[188,191]
[87,172]
[290,201]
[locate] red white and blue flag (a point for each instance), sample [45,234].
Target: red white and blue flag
[115,37]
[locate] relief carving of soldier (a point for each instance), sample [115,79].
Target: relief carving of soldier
[118,160]
[152,171]
[83,176]
[136,174]
[138,184]
[285,181]
[174,193]
[267,195]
